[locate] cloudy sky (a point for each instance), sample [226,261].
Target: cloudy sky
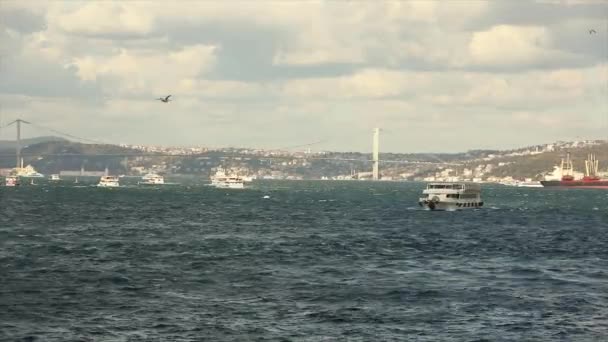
[436,76]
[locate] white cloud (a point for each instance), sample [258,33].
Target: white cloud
[364,84]
[563,79]
[513,45]
[275,71]
[106,18]
[537,89]
[146,71]
[356,32]
[228,89]
[533,89]
[38,7]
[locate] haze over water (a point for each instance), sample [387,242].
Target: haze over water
[317,261]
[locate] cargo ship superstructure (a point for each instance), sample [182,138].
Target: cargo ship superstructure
[590,180]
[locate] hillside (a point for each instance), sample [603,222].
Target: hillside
[75,155]
[45,157]
[12,144]
[535,166]
[531,162]
[528,162]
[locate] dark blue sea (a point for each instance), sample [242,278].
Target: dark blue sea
[316,261]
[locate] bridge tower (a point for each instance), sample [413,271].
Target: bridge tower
[375,149]
[18,123]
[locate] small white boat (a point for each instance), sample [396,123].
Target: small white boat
[152,179]
[529,184]
[248,179]
[222,181]
[12,181]
[55,178]
[108,182]
[451,196]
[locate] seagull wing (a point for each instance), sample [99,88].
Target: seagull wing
[167,97]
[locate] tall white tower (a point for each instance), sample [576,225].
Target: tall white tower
[375,152]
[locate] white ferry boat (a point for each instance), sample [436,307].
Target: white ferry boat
[55,178]
[28,172]
[108,182]
[223,181]
[12,181]
[451,196]
[152,179]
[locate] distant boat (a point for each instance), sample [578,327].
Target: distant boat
[55,177]
[12,181]
[152,179]
[108,182]
[528,183]
[451,196]
[589,181]
[223,181]
[28,172]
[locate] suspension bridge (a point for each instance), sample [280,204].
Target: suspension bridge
[131,152]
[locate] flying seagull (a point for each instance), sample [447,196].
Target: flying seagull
[592,31]
[165,99]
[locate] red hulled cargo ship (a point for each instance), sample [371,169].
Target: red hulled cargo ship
[590,181]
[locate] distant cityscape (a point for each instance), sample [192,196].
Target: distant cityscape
[481,172]
[525,164]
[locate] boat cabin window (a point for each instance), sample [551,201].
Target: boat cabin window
[453,196]
[445,186]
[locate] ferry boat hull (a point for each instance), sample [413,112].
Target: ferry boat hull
[529,185]
[449,206]
[32,175]
[108,185]
[596,184]
[225,185]
[525,184]
[152,179]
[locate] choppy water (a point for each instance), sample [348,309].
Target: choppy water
[317,261]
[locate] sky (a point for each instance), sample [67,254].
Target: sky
[434,76]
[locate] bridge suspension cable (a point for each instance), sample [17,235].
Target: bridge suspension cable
[68,135]
[303,145]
